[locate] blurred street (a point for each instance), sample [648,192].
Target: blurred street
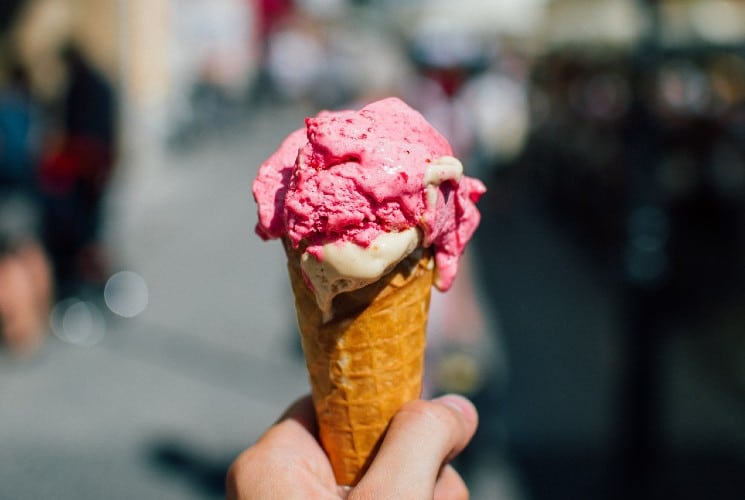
[163,404]
[147,335]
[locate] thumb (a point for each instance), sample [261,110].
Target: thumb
[422,436]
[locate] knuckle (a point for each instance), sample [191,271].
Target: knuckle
[432,416]
[231,482]
[244,470]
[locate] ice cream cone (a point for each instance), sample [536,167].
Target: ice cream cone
[367,361]
[353,194]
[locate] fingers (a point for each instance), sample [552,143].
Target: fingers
[421,438]
[292,431]
[450,486]
[292,438]
[288,449]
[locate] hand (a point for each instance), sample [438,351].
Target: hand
[287,462]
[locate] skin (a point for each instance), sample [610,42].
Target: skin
[287,462]
[25,294]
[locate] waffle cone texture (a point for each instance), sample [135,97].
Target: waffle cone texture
[367,361]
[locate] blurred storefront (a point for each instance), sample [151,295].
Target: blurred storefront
[39,30]
[636,156]
[177,51]
[156,52]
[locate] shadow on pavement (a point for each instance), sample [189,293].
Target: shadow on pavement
[179,460]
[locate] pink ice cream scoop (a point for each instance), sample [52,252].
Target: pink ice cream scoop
[353,176]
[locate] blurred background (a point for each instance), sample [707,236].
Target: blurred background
[599,319]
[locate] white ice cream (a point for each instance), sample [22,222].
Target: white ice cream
[445,168]
[345,266]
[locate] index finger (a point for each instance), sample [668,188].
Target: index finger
[301,411]
[285,462]
[294,431]
[422,436]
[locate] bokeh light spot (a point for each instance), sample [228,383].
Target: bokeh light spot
[126,294]
[78,322]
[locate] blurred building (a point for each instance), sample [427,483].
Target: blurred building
[42,27]
[175,51]
[637,113]
[157,50]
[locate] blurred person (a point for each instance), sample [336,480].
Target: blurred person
[25,277]
[213,104]
[75,173]
[318,54]
[295,58]
[17,131]
[270,14]
[412,461]
[496,102]
[25,295]
[271,18]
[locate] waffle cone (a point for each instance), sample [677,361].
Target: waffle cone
[367,361]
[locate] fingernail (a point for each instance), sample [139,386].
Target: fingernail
[458,403]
